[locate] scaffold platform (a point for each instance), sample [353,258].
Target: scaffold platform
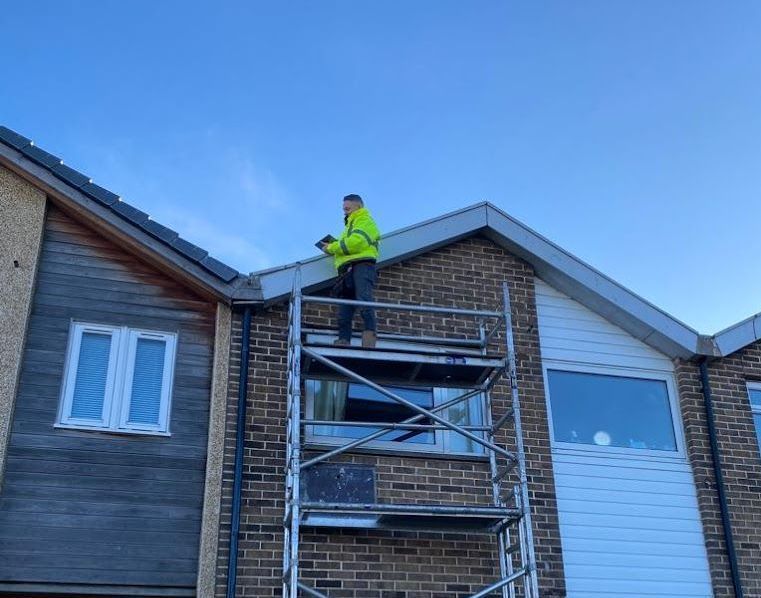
[409,361]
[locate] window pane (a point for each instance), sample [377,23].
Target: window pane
[342,401]
[92,375]
[611,411]
[467,413]
[145,401]
[755,397]
[757,420]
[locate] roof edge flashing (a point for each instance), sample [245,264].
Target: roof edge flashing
[396,246]
[592,288]
[738,336]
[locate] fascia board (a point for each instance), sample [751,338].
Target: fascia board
[276,285]
[426,236]
[593,289]
[395,247]
[104,219]
[738,336]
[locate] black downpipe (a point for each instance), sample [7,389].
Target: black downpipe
[240,435]
[720,481]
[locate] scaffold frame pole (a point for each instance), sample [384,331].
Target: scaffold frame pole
[508,474]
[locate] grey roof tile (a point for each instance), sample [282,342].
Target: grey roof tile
[100,194]
[131,213]
[160,231]
[188,249]
[126,211]
[12,138]
[69,175]
[40,156]
[219,269]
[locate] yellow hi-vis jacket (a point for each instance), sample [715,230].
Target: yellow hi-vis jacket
[358,241]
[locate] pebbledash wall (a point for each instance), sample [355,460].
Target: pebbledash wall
[368,563]
[740,461]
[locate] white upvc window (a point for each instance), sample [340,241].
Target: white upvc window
[117,379]
[754,394]
[345,402]
[606,409]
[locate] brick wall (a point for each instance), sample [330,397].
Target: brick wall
[365,563]
[741,464]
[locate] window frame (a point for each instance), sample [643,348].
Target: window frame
[76,331]
[440,445]
[622,372]
[116,401]
[754,409]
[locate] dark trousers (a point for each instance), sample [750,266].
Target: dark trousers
[363,278]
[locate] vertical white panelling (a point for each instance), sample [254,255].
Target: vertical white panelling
[629,522]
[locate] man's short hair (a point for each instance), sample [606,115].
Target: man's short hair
[355,198]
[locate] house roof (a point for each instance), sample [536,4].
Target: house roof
[554,265]
[77,192]
[551,263]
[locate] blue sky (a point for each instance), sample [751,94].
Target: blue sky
[628,132]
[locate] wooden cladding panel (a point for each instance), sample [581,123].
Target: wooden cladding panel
[93,508]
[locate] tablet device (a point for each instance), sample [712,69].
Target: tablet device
[325,239]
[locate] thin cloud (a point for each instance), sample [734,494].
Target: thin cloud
[261,188]
[219,207]
[233,249]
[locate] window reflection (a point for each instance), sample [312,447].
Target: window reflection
[466,413]
[336,401]
[343,401]
[616,411]
[755,398]
[755,404]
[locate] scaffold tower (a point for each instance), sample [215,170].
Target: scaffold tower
[462,363]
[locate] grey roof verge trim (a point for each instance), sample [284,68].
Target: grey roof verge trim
[276,283]
[738,336]
[551,263]
[80,202]
[598,292]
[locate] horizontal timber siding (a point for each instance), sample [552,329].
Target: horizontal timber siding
[89,509]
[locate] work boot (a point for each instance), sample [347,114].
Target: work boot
[368,339]
[341,342]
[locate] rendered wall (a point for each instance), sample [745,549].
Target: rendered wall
[22,214]
[207,554]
